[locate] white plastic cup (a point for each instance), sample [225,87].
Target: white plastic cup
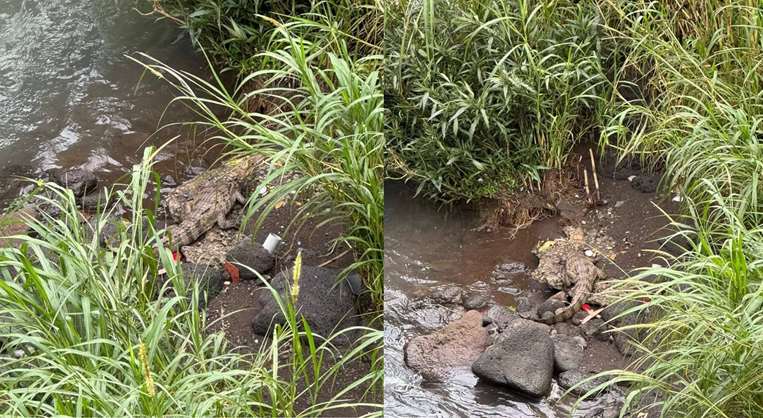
[271,243]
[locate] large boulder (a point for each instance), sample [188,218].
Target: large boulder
[252,255]
[458,344]
[522,359]
[326,302]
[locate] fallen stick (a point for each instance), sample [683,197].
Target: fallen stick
[595,177]
[591,315]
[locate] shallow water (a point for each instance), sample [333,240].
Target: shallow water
[68,94]
[426,246]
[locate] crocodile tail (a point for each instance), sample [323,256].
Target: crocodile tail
[580,293]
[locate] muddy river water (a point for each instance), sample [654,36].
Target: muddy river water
[427,246]
[70,97]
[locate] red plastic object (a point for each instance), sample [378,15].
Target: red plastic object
[176,256]
[233,272]
[586,307]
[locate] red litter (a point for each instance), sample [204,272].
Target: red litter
[233,272]
[176,256]
[586,307]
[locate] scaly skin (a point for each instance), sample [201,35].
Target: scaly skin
[584,274]
[206,200]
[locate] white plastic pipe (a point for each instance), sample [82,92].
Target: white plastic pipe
[271,243]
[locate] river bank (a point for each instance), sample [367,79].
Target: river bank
[440,264]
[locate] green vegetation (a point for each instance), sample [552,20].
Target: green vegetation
[98,333]
[485,96]
[308,99]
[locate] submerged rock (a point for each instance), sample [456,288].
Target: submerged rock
[475,300]
[458,344]
[522,359]
[447,295]
[251,254]
[326,304]
[78,180]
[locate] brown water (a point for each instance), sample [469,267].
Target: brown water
[426,246]
[70,97]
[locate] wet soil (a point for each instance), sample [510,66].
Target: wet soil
[428,246]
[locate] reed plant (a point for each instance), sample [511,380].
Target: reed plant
[93,330]
[323,139]
[485,95]
[699,353]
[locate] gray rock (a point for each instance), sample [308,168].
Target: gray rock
[570,378]
[95,200]
[522,359]
[209,278]
[458,344]
[326,303]
[447,295]
[475,300]
[80,181]
[550,305]
[251,254]
[579,317]
[169,181]
[595,328]
[500,316]
[568,353]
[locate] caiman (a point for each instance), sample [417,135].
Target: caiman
[584,274]
[205,201]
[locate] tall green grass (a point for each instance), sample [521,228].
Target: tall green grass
[700,351]
[236,32]
[101,336]
[700,105]
[485,95]
[689,76]
[324,140]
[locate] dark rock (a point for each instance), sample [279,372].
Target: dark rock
[527,309]
[571,378]
[550,306]
[447,295]
[607,405]
[522,359]
[209,278]
[326,303]
[500,316]
[94,201]
[646,183]
[578,317]
[595,328]
[78,180]
[475,300]
[458,344]
[253,256]
[568,353]
[567,328]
